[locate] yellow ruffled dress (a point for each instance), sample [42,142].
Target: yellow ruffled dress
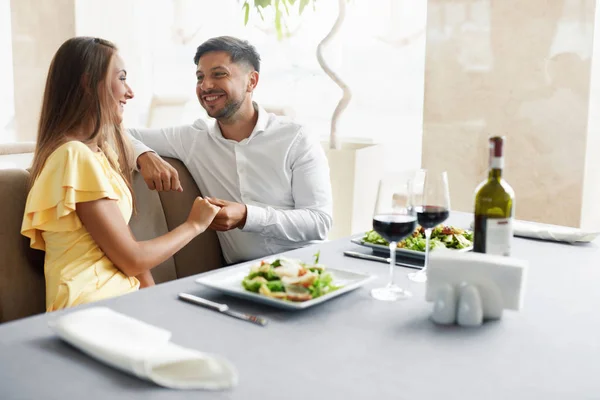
[77,271]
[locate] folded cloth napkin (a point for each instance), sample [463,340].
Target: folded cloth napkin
[552,232]
[142,350]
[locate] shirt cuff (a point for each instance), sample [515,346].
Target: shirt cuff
[136,165]
[139,149]
[255,219]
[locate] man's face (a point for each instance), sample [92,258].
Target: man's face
[222,86]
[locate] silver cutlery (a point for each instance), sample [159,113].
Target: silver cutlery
[380,259]
[222,308]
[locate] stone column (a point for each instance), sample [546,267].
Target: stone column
[520,69]
[39,27]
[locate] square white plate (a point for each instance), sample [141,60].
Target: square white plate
[400,252]
[229,281]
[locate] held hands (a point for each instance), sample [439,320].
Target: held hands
[202,214]
[231,215]
[158,174]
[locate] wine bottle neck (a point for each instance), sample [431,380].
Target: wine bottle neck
[496,167]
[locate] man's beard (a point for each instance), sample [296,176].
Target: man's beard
[227,112]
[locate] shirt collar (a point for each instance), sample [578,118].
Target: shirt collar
[261,123]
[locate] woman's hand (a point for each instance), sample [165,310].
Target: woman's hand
[202,214]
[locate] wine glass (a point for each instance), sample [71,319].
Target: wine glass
[431,199]
[394,219]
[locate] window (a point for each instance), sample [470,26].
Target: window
[7,107]
[379,52]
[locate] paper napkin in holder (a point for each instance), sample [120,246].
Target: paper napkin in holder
[142,350]
[470,287]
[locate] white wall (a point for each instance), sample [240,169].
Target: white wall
[38,28]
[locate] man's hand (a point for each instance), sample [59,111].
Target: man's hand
[231,215]
[158,174]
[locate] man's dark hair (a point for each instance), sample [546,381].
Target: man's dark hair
[239,50]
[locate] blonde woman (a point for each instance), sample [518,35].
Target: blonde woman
[81,199]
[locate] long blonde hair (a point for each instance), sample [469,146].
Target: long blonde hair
[78,96]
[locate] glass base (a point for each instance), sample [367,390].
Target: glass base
[420,276]
[390,293]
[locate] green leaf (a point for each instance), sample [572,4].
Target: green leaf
[278,20]
[261,14]
[246,8]
[276,286]
[317,255]
[287,10]
[462,241]
[303,4]
[251,285]
[253,275]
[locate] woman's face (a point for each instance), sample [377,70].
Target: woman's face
[120,89]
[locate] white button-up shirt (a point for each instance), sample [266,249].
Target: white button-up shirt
[280,172]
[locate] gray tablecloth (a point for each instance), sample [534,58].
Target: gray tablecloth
[351,347]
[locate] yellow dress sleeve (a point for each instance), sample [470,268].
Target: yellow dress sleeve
[71,175]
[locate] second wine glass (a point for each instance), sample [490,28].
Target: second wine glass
[431,200]
[394,219]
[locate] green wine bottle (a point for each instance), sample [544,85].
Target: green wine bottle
[494,207]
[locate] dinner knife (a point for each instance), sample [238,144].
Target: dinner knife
[370,257]
[223,308]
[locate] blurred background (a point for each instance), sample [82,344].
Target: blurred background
[431,81]
[158,40]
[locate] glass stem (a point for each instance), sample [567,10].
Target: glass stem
[393,246]
[427,240]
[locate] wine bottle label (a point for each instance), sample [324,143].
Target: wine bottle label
[498,236]
[497,163]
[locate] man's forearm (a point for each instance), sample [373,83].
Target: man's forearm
[295,225]
[167,142]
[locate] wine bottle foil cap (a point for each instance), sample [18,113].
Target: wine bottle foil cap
[496,146]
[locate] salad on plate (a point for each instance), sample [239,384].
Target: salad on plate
[289,280]
[442,236]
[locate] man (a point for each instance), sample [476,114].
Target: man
[270,178]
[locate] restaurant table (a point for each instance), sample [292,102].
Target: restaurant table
[350,347]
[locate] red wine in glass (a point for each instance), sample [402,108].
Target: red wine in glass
[431,216]
[394,227]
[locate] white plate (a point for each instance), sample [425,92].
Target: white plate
[400,252]
[229,281]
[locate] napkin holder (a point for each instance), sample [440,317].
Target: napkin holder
[468,288]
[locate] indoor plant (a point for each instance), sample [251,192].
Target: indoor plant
[354,166]
[281,9]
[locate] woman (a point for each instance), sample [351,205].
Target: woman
[81,198]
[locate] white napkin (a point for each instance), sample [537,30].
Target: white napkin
[552,232]
[142,350]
